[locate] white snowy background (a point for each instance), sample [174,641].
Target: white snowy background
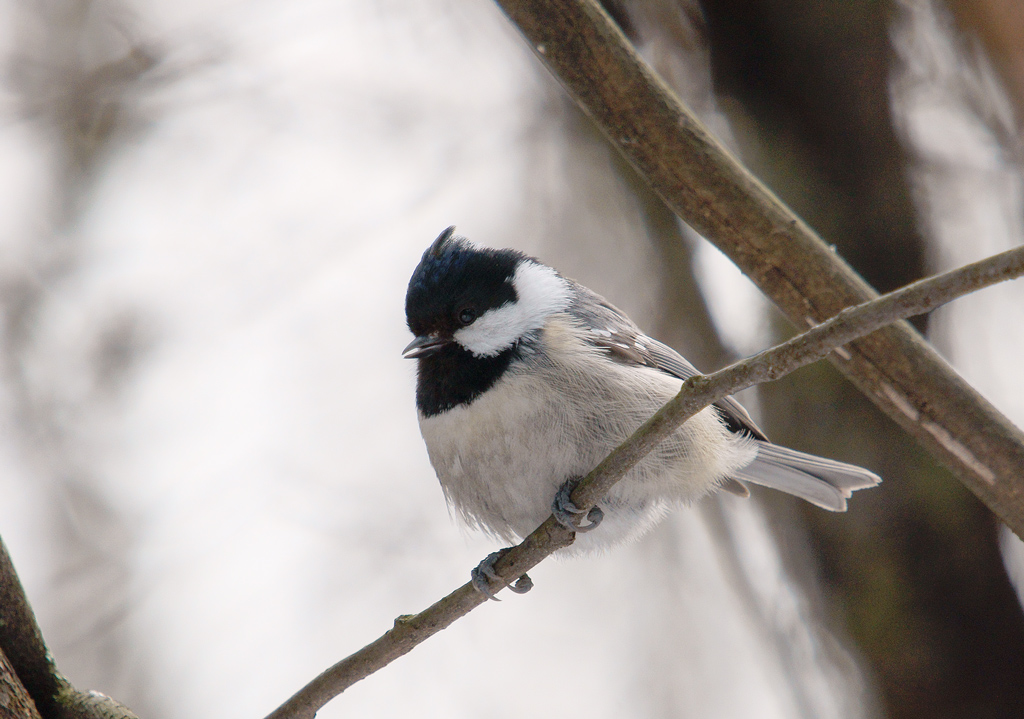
[212,481]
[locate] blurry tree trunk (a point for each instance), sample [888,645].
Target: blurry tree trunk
[915,567]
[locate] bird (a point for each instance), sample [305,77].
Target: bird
[526,380]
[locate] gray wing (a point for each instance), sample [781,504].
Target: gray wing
[610,329]
[614,332]
[823,482]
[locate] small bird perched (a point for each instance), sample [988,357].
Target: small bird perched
[526,380]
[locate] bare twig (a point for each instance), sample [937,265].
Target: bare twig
[697,392]
[709,189]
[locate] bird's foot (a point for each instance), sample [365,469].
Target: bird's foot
[568,514]
[484,573]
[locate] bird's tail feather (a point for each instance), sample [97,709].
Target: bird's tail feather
[823,482]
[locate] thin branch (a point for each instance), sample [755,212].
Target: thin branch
[710,190]
[697,392]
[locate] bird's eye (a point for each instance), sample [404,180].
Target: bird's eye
[467,315]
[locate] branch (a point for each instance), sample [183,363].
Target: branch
[22,643]
[15,703]
[696,393]
[712,192]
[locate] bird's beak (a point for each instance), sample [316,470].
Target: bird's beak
[424,345]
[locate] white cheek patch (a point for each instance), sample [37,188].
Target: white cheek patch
[541,293]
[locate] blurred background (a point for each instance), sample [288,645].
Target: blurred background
[211,479]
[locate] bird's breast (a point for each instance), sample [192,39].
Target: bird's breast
[501,458]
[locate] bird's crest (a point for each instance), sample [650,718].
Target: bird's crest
[437,247]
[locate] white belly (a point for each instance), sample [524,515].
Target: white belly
[501,459]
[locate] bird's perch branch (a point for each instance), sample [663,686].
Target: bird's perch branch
[697,392]
[712,192]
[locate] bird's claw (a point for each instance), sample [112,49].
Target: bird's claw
[569,515]
[483,573]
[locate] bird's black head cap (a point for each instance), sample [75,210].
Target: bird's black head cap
[455,283]
[453,275]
